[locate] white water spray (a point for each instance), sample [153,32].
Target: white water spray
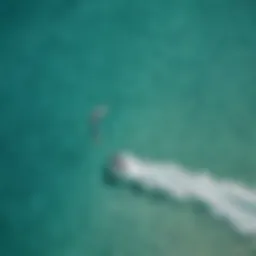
[226,199]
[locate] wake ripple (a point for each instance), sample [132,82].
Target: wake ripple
[226,199]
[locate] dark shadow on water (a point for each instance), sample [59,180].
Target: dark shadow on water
[109,179]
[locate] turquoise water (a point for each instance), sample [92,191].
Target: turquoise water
[178,77]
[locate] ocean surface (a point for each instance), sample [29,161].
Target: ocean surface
[179,80]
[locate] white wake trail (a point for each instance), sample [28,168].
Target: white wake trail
[226,199]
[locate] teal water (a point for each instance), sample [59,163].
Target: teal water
[179,79]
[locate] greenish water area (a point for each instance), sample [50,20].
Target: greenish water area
[179,80]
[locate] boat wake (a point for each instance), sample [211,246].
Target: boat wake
[225,199]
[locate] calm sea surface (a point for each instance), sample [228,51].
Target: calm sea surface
[179,80]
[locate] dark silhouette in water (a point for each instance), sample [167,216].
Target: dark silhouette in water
[96,117]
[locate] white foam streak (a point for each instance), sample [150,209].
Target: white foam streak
[226,199]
